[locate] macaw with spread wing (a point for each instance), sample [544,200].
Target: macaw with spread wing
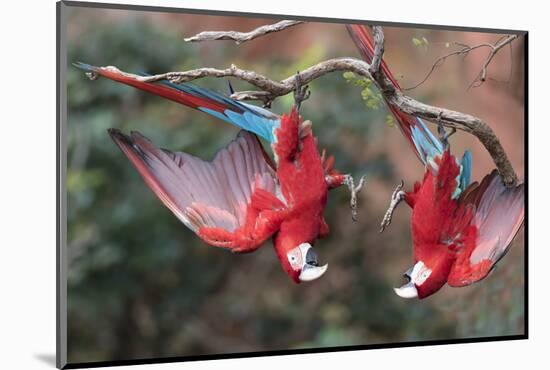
[459,230]
[241,198]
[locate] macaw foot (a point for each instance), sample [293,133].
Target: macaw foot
[354,190]
[92,76]
[397,196]
[444,135]
[300,93]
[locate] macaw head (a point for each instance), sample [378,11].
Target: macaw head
[426,277]
[299,260]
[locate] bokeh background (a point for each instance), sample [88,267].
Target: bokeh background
[141,285]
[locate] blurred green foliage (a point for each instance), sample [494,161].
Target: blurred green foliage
[141,285]
[421,42]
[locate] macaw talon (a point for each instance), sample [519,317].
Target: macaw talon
[397,196]
[230,87]
[443,134]
[354,190]
[300,93]
[92,75]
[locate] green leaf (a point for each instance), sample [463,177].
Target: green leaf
[390,121]
[420,41]
[366,93]
[372,98]
[349,75]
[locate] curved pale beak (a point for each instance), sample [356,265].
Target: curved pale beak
[310,269]
[407,290]
[310,273]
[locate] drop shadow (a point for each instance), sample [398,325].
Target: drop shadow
[47,358]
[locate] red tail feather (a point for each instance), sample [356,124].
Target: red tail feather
[161,90]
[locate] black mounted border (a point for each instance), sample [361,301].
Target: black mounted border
[61,287]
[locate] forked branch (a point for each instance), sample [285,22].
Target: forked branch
[464,50]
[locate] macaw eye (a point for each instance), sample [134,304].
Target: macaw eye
[295,259]
[425,274]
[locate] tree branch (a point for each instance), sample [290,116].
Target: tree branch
[241,37]
[271,89]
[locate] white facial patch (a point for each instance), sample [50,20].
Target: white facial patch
[295,258]
[420,273]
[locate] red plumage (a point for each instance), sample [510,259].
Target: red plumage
[302,178]
[238,200]
[456,241]
[460,240]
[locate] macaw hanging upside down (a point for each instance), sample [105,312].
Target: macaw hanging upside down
[241,198]
[459,230]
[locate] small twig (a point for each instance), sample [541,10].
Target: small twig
[482,76]
[464,51]
[354,190]
[241,37]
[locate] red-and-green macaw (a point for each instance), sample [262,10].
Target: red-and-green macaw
[241,198]
[459,230]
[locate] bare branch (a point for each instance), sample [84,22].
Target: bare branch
[271,89]
[464,51]
[241,37]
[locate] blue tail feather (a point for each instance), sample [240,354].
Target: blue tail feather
[427,145]
[466,170]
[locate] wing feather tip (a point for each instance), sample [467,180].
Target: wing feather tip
[119,137]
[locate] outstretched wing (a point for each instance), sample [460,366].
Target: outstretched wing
[222,200]
[246,116]
[499,212]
